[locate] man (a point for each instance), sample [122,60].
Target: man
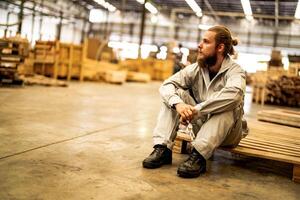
[178,65]
[209,94]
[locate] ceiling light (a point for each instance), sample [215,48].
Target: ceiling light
[194,6]
[247,9]
[96,16]
[141,1]
[204,27]
[106,5]
[151,8]
[297,13]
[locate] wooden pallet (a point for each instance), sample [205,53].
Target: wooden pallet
[182,143]
[280,116]
[274,142]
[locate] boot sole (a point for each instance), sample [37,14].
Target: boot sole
[149,165]
[184,174]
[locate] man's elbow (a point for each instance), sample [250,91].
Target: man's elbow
[238,97]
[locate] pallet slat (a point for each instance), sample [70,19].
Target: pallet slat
[280,116]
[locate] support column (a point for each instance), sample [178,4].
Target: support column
[32,23]
[83,32]
[276,24]
[41,22]
[106,25]
[122,20]
[154,32]
[7,22]
[20,17]
[142,28]
[199,31]
[58,33]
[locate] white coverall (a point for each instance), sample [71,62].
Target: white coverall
[219,105]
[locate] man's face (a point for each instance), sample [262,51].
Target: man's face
[207,49]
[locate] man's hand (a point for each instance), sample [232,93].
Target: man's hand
[186,112]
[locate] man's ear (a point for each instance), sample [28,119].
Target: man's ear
[221,48]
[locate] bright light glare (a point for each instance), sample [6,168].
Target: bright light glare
[194,6]
[247,9]
[297,13]
[151,8]
[96,16]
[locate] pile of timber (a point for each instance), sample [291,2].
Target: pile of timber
[280,116]
[272,141]
[283,91]
[13,51]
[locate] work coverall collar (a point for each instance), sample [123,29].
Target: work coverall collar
[225,65]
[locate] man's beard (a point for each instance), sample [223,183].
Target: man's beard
[208,61]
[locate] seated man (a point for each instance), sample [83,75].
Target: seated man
[210,95]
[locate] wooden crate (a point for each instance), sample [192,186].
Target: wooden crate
[56,59]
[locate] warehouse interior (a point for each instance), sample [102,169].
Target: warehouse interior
[79,98]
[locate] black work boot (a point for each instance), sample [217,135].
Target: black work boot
[193,166]
[160,155]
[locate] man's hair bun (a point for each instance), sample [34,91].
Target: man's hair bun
[234,42]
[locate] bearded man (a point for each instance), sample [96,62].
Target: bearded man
[208,94]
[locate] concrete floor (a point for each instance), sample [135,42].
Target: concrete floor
[87,141]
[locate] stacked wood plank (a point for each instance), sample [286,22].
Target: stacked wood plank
[163,69]
[275,86]
[12,54]
[283,91]
[157,69]
[138,77]
[282,143]
[280,116]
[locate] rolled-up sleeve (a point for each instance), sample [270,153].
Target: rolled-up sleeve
[182,79]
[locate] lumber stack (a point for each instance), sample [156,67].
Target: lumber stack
[283,91]
[12,53]
[275,86]
[280,116]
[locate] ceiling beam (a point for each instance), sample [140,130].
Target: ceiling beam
[236,14]
[217,18]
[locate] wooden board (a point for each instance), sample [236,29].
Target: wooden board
[117,77]
[272,141]
[138,77]
[280,116]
